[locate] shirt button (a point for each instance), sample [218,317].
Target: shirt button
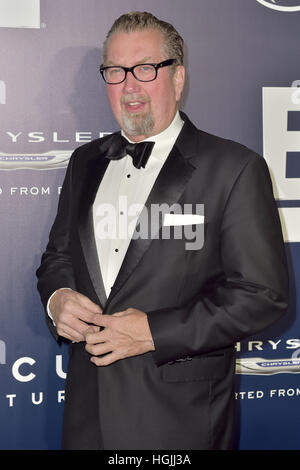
[128,176]
[116,250]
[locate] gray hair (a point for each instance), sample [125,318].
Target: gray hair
[140,21]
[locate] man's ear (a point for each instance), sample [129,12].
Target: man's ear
[178,80]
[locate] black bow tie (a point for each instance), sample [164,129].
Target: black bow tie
[119,147]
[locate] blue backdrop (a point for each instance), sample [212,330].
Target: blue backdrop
[242,61]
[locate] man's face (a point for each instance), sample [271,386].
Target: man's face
[143,109]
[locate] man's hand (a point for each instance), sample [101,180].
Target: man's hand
[125,334]
[73,314]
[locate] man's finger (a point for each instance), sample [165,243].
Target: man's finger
[105,360]
[104,320]
[91,329]
[94,337]
[89,304]
[98,349]
[87,316]
[69,322]
[69,333]
[71,307]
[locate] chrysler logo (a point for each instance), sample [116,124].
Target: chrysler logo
[280,5]
[35,161]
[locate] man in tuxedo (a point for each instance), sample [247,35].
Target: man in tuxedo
[153,320]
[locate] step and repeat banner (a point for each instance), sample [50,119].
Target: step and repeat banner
[242,60]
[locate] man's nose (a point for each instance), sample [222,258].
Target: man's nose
[131,84]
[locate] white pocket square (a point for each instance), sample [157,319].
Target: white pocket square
[182,219]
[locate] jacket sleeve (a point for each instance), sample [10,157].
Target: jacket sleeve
[56,270]
[253,292]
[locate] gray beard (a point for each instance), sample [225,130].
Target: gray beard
[138,125]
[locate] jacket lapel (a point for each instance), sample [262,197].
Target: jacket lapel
[95,170]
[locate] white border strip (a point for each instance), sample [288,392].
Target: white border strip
[20,14]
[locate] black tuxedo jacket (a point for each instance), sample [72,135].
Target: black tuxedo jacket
[199,302]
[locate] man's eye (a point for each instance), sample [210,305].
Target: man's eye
[146,68]
[115,71]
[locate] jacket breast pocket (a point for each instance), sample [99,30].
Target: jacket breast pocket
[197,368]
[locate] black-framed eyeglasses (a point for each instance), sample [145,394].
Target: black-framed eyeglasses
[113,75]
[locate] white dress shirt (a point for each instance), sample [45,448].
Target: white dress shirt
[120,199]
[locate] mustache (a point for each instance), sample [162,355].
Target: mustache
[135,97]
